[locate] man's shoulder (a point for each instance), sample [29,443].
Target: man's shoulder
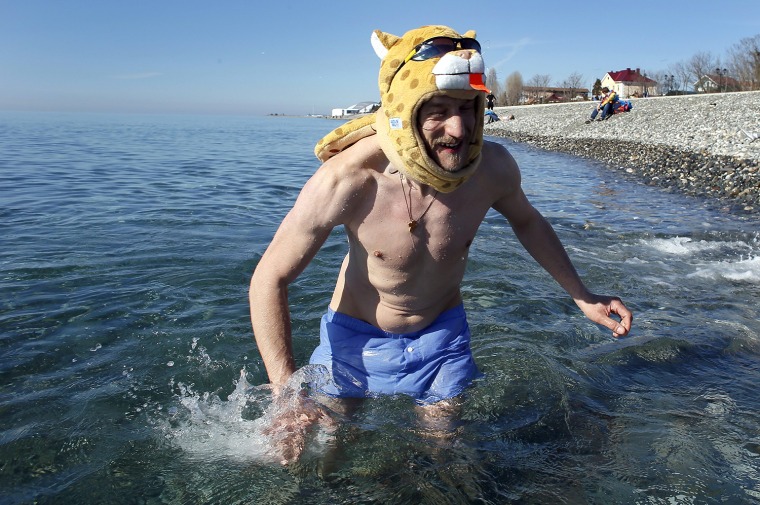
[491,143]
[355,165]
[494,152]
[498,166]
[340,186]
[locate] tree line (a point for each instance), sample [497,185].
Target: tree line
[741,63]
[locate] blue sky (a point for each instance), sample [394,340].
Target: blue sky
[302,57]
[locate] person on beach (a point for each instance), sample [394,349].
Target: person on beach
[490,100]
[606,106]
[410,185]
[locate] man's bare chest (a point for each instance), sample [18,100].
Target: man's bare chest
[434,230]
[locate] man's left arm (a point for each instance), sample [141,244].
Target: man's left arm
[540,240]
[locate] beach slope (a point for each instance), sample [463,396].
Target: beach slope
[703,145]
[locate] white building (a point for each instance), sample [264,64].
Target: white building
[359,108]
[627,83]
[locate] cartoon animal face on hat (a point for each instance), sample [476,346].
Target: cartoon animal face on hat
[426,62]
[423,63]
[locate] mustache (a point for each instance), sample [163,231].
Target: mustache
[447,140]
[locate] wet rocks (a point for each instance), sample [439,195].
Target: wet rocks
[702,145]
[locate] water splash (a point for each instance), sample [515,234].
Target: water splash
[246,426]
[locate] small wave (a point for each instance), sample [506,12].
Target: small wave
[747,270]
[685,246]
[732,260]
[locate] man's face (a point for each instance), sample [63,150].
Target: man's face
[446,125]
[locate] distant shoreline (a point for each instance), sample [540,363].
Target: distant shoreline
[321,116]
[700,145]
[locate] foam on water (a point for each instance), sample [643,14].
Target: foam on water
[737,260]
[685,246]
[743,270]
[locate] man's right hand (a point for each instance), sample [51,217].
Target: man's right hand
[292,421]
[293,415]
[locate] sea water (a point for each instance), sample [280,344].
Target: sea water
[128,372]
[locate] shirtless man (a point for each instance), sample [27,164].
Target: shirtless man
[395,324]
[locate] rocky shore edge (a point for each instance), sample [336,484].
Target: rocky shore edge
[701,145]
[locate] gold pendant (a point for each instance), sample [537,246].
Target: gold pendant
[412,225]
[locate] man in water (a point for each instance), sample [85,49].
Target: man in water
[410,185]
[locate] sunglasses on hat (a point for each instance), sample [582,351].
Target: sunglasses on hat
[438,46]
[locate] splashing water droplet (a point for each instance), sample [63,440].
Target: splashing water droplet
[243,426]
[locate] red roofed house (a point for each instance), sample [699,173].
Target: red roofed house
[627,83]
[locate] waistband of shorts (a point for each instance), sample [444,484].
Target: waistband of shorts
[456,312]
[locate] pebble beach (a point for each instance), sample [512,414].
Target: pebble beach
[701,145]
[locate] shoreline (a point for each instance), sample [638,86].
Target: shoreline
[700,145]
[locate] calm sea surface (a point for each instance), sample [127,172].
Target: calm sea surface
[128,372]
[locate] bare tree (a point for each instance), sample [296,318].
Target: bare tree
[645,85]
[661,78]
[539,82]
[573,82]
[744,62]
[682,74]
[514,88]
[702,64]
[492,81]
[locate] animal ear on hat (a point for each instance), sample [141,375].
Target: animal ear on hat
[469,34]
[382,41]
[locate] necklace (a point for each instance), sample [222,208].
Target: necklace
[412,224]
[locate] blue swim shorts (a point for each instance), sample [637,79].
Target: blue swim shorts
[429,365]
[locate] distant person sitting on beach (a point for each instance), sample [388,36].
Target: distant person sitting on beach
[606,106]
[490,99]
[410,185]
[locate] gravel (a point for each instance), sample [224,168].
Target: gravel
[701,145]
